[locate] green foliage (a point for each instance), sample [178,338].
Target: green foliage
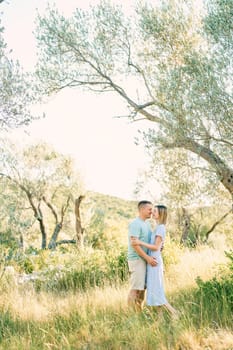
[171,252]
[91,269]
[16,91]
[26,264]
[95,235]
[106,323]
[219,22]
[215,297]
[114,208]
[7,325]
[46,182]
[230,256]
[8,239]
[20,261]
[196,234]
[170,61]
[105,219]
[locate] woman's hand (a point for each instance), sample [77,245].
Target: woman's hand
[135,241]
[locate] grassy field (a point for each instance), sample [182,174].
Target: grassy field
[100,319]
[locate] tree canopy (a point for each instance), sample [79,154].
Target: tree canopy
[16,90]
[171,62]
[42,185]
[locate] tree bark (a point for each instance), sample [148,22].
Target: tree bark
[58,224]
[39,217]
[78,224]
[185,222]
[21,241]
[53,241]
[224,173]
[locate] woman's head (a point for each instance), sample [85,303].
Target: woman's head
[160,214]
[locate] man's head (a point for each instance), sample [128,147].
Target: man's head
[145,209]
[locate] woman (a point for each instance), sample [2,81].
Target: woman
[155,289]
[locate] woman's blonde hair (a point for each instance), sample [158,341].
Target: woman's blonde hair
[162,210]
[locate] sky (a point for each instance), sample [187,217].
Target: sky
[78,123]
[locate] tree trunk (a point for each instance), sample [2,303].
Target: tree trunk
[78,224]
[58,225]
[224,173]
[38,215]
[185,222]
[53,241]
[43,234]
[21,241]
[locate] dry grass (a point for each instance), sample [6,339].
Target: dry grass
[220,339]
[101,319]
[204,262]
[25,303]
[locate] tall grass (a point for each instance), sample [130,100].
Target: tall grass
[98,318]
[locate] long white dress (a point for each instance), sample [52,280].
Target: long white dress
[155,287]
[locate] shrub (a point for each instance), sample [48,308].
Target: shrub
[216,297]
[171,252]
[90,269]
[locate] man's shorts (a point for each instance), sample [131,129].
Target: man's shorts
[137,269]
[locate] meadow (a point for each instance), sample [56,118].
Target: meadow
[80,302]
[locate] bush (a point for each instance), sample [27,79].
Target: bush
[91,268]
[171,252]
[216,297]
[8,240]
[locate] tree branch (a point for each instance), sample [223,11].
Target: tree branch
[106,79]
[216,223]
[50,206]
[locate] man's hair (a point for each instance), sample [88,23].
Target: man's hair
[143,203]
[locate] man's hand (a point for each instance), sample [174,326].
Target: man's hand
[151,261]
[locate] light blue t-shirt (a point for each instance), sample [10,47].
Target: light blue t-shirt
[140,229]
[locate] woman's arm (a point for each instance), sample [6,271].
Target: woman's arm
[155,246]
[149,259]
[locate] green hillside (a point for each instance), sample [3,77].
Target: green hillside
[114,207]
[108,218]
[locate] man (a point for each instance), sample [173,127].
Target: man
[137,255]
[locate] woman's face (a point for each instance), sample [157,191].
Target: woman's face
[155,213]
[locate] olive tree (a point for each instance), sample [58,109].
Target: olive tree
[171,62]
[17,94]
[46,182]
[173,178]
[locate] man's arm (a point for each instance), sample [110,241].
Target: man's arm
[149,259]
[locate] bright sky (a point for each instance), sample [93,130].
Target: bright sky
[77,123]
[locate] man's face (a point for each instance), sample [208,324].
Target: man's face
[147,211]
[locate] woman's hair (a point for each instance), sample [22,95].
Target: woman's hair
[162,210]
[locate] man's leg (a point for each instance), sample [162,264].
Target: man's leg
[136,299]
[136,295]
[141,297]
[132,298]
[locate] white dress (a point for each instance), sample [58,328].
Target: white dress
[155,289]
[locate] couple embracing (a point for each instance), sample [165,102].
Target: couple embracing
[145,259]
